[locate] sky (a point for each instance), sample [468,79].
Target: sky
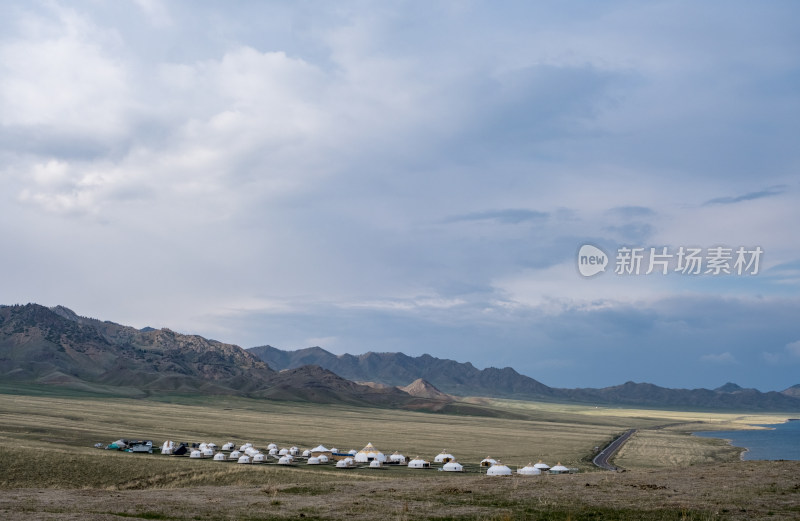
[418,177]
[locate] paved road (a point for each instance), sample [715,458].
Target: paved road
[601,460]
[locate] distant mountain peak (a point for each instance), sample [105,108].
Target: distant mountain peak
[424,389]
[729,387]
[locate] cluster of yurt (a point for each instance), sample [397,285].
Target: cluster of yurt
[369,457]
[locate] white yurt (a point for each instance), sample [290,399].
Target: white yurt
[313,460]
[243,459]
[219,456]
[294,451]
[498,469]
[283,452]
[243,447]
[334,450]
[543,467]
[208,452]
[196,454]
[375,464]
[397,458]
[306,453]
[529,470]
[203,446]
[228,446]
[212,445]
[167,447]
[453,466]
[368,454]
[345,463]
[251,451]
[234,455]
[488,462]
[418,463]
[322,458]
[320,449]
[559,469]
[273,452]
[444,457]
[285,460]
[259,458]
[353,452]
[272,446]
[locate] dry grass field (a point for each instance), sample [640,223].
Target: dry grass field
[49,470]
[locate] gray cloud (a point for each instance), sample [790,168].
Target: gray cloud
[768,192]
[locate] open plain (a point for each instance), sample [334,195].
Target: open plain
[50,470]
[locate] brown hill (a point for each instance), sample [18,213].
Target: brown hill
[40,345]
[423,389]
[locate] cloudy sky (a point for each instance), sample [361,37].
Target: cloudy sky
[414,176]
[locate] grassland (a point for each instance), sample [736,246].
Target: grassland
[49,470]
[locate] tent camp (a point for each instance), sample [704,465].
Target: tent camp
[167,447]
[559,469]
[488,462]
[543,467]
[397,459]
[529,470]
[219,456]
[244,459]
[259,458]
[444,457]
[228,446]
[418,463]
[498,469]
[234,455]
[375,464]
[313,460]
[285,460]
[453,466]
[346,463]
[368,454]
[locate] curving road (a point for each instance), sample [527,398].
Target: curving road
[601,460]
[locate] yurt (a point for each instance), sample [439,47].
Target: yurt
[234,455]
[272,446]
[368,454]
[203,446]
[228,446]
[294,451]
[322,458]
[453,466]
[418,463]
[273,452]
[345,463]
[334,450]
[543,467]
[313,460]
[285,460]
[498,469]
[219,456]
[196,454]
[375,464]
[208,452]
[397,458]
[559,469]
[444,457]
[283,452]
[243,459]
[320,449]
[212,445]
[529,470]
[488,462]
[251,451]
[353,452]
[306,453]
[259,458]
[243,447]
[167,447]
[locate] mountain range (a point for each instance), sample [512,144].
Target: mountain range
[56,347]
[464,379]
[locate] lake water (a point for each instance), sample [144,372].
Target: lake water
[781,441]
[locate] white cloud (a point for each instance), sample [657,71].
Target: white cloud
[793,348]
